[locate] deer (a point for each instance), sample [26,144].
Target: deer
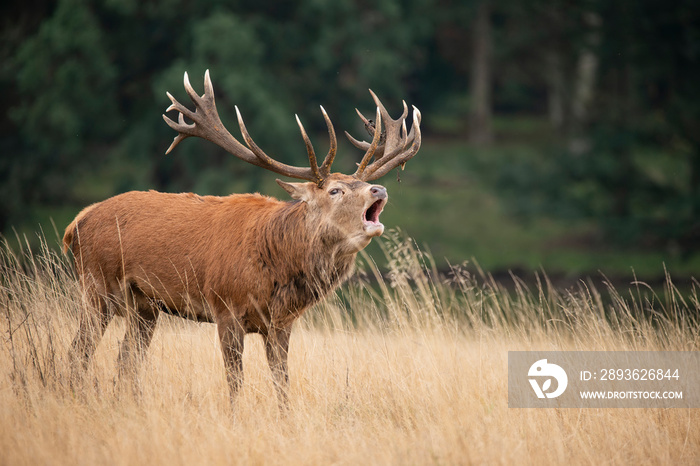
[248,263]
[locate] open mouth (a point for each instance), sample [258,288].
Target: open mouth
[371,215]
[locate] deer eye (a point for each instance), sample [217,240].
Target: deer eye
[335,191]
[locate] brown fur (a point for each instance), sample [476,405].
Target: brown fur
[248,263]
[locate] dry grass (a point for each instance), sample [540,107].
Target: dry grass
[412,370]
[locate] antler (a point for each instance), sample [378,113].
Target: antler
[207,125]
[396,147]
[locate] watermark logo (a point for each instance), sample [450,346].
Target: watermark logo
[604,379]
[542,370]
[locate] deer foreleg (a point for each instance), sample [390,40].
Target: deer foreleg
[231,335]
[277,350]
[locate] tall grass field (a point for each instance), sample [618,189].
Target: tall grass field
[403,366]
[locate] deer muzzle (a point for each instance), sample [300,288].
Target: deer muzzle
[370,217]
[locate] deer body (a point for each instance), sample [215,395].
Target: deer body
[246,262]
[196,254]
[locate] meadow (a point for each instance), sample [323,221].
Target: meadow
[403,365]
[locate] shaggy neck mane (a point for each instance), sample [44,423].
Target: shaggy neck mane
[303,255]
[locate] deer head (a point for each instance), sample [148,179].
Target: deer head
[345,202]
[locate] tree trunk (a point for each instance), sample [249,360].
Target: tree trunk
[556,91]
[584,86]
[480,114]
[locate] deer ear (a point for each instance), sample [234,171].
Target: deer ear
[299,191]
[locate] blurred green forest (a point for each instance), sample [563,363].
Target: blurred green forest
[557,134]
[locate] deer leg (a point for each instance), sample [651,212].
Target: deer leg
[277,349]
[231,336]
[93,322]
[139,332]
[141,319]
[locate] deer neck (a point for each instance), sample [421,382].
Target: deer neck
[315,249]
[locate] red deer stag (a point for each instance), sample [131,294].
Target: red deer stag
[247,262]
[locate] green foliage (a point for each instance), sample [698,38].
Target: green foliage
[85,87]
[67,85]
[633,165]
[68,82]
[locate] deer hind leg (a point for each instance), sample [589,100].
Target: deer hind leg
[141,317]
[93,322]
[277,350]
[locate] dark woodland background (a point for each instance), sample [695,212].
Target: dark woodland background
[558,133]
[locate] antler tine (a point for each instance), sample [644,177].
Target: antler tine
[372,147]
[180,137]
[385,113]
[392,127]
[310,151]
[330,157]
[190,90]
[208,87]
[359,144]
[369,125]
[362,117]
[257,151]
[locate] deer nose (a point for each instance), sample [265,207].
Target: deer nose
[378,191]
